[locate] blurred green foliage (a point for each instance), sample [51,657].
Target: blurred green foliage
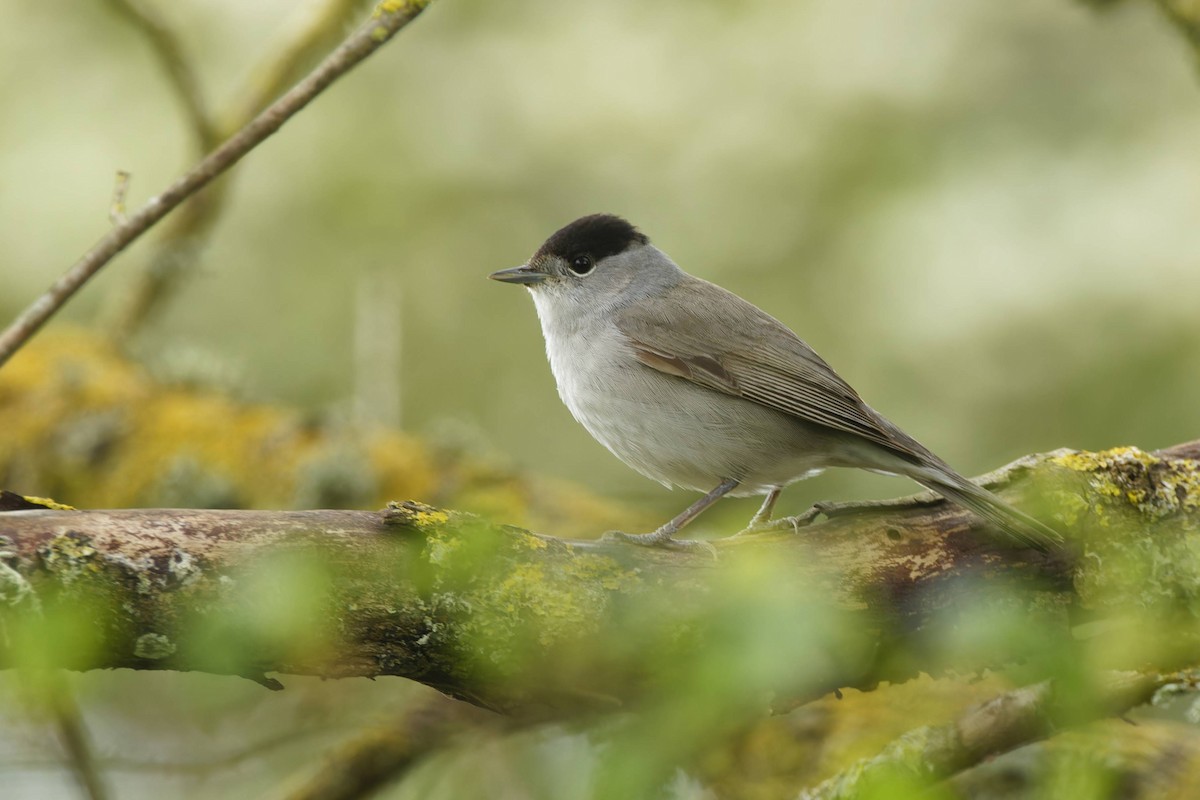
[982,214]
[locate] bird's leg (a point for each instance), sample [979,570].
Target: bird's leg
[663,537]
[761,521]
[763,516]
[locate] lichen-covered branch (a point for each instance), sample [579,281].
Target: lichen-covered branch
[535,625]
[1012,719]
[389,18]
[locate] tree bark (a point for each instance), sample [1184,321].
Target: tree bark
[530,624]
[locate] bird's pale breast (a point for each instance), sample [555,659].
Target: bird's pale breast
[674,431]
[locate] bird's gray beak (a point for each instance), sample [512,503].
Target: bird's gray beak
[522,274]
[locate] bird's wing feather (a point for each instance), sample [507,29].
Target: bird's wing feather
[712,337]
[700,332]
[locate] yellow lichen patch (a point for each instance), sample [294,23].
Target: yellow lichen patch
[531,542]
[431,518]
[49,393]
[561,605]
[1138,519]
[525,609]
[1085,461]
[82,364]
[87,425]
[69,556]
[604,571]
[1154,486]
[399,6]
[416,514]
[46,502]
[443,536]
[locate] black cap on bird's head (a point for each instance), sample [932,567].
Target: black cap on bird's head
[580,244]
[596,235]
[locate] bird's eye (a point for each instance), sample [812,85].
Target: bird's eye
[582,265]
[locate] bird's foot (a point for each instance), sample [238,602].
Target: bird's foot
[759,521]
[795,523]
[829,509]
[660,538]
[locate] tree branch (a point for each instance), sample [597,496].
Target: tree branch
[388,18]
[73,733]
[383,754]
[1185,16]
[1018,717]
[169,51]
[314,29]
[534,625]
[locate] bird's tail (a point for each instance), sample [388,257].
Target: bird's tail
[1016,523]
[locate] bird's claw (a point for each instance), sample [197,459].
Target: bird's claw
[783,523]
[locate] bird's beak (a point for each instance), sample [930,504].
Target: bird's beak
[522,274]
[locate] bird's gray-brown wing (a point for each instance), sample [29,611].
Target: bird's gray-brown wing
[702,333]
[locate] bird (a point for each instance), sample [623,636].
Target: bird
[694,387]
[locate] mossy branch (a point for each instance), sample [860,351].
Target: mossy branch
[535,625]
[1014,718]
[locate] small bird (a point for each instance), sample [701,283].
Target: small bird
[693,386]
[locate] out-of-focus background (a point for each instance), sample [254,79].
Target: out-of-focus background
[984,215]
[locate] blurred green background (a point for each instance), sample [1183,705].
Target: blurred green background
[984,215]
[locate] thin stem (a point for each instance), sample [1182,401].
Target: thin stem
[169,50]
[312,31]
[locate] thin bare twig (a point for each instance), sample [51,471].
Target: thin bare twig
[387,19]
[1185,16]
[170,52]
[198,767]
[75,739]
[116,212]
[308,33]
[313,31]
[381,755]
